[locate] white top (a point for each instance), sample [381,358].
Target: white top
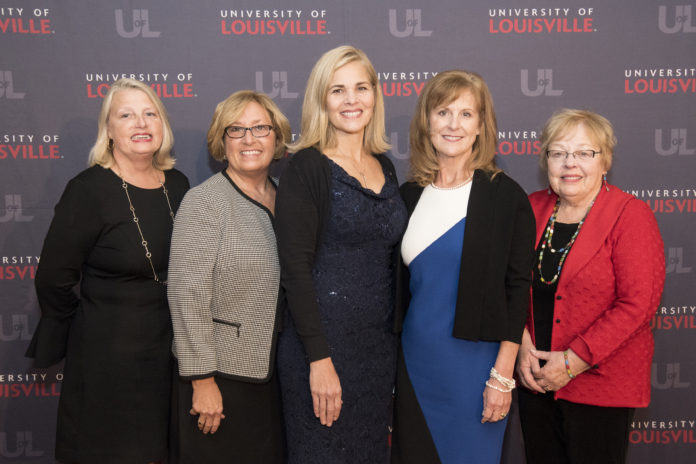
[437,212]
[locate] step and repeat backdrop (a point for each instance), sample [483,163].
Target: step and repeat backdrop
[633,61]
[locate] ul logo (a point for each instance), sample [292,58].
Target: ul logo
[676,144]
[279,85]
[23,446]
[396,143]
[682,20]
[141,25]
[671,377]
[675,262]
[18,328]
[7,86]
[543,86]
[413,25]
[13,210]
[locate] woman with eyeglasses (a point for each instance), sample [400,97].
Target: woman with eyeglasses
[339,218]
[224,282]
[586,351]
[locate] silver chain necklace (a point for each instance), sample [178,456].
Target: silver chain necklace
[143,242]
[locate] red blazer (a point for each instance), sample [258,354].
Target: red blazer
[608,291]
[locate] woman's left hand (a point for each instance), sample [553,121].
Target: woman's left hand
[553,376]
[496,404]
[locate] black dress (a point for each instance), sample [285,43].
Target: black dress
[116,336]
[353,282]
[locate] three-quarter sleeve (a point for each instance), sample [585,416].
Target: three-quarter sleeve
[192,259]
[298,227]
[638,264]
[73,232]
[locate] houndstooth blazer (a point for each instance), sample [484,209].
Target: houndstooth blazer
[223,286]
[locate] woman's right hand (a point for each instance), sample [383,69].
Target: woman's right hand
[207,404]
[527,366]
[326,391]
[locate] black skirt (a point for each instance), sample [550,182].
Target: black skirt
[252,430]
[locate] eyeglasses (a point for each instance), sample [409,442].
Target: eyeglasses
[238,132]
[561,155]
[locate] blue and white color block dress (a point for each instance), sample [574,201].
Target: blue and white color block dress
[445,376]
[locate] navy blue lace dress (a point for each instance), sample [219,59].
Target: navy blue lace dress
[353,279]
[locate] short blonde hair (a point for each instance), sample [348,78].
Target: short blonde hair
[565,120]
[101,152]
[443,89]
[227,112]
[316,131]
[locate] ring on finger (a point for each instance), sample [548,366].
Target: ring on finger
[502,415]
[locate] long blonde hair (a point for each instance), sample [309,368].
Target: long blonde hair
[101,152]
[315,127]
[442,89]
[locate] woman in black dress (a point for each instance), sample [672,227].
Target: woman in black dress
[111,233]
[339,216]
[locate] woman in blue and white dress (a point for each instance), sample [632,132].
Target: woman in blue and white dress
[464,279]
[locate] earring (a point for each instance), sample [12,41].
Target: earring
[604,177]
[111,144]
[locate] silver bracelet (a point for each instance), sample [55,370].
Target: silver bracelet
[507,383]
[503,390]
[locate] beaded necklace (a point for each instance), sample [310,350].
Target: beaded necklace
[548,235]
[455,187]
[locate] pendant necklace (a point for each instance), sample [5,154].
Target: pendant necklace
[143,242]
[362,173]
[357,168]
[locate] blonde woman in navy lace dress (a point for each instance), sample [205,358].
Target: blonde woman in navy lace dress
[339,218]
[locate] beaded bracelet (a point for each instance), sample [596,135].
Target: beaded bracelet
[567,365]
[507,383]
[503,390]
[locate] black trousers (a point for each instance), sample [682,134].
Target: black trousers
[558,431]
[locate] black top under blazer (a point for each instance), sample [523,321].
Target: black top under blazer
[497,259]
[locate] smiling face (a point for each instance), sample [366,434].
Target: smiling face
[350,101]
[250,155]
[454,126]
[134,125]
[575,181]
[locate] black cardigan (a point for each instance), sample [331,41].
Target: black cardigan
[496,265]
[303,206]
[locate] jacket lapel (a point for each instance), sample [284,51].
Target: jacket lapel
[594,232]
[542,212]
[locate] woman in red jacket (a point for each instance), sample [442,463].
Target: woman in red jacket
[587,348]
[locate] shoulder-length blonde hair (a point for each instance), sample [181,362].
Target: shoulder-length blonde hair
[102,154]
[443,89]
[564,120]
[229,110]
[316,131]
